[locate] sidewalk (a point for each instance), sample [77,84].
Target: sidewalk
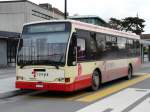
[7,85]
[146,64]
[7,82]
[7,72]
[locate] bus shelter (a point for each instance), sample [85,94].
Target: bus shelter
[8,48]
[145,51]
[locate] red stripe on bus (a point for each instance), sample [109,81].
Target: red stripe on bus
[78,84]
[83,81]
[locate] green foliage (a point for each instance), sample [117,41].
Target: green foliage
[133,24]
[115,23]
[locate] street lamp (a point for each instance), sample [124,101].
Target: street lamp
[65,13]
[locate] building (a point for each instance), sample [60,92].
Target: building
[90,19]
[8,45]
[145,37]
[13,14]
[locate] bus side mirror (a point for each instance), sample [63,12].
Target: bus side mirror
[74,63]
[75,35]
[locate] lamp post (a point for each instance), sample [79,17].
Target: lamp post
[65,11]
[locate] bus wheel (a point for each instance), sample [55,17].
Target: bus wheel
[130,73]
[95,81]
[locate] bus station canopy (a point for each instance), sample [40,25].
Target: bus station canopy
[145,42]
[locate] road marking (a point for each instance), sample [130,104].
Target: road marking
[143,107]
[108,110]
[103,93]
[117,102]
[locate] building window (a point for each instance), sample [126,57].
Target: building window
[41,15]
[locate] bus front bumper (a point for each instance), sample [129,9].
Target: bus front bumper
[79,83]
[45,86]
[54,86]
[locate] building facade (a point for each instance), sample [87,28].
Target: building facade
[90,19]
[13,14]
[8,45]
[145,37]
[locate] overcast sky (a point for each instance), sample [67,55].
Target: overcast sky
[106,8]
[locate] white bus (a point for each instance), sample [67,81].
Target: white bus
[67,55]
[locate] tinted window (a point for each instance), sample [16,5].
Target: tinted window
[90,48]
[111,47]
[102,46]
[121,42]
[81,49]
[100,39]
[137,48]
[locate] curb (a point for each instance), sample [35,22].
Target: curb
[12,93]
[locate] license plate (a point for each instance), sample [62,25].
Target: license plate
[41,74]
[39,85]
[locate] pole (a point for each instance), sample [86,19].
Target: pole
[65,13]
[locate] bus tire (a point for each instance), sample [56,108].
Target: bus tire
[95,81]
[130,73]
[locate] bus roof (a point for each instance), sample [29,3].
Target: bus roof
[94,28]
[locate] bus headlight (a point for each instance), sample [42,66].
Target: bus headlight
[60,79]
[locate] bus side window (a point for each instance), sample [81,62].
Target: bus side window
[137,48]
[80,49]
[121,42]
[130,47]
[100,40]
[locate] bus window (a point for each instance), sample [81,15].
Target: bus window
[82,34]
[130,47]
[111,47]
[121,42]
[80,49]
[137,48]
[100,42]
[93,42]
[72,51]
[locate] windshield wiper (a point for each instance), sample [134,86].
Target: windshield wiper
[24,63]
[41,62]
[21,66]
[57,65]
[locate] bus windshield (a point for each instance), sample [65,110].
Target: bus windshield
[43,44]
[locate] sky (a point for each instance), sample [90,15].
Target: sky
[106,8]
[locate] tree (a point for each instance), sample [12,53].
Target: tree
[115,23]
[133,24]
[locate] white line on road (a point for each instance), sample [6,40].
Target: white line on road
[117,102]
[143,107]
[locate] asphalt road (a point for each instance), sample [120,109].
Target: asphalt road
[116,96]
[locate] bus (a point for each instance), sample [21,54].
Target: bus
[68,55]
